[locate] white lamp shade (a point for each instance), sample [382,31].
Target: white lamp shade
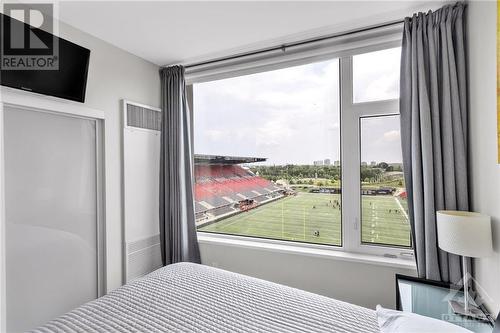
[464,233]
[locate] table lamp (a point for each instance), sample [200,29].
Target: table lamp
[468,235]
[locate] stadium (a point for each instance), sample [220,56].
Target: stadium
[224,188]
[231,199]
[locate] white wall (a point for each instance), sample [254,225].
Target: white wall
[114,75]
[359,283]
[485,169]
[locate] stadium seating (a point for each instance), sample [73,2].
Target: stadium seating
[219,187]
[262,198]
[222,210]
[216,201]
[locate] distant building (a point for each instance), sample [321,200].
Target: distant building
[364,163]
[327,161]
[336,163]
[373,163]
[318,162]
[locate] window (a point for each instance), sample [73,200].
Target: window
[384,216]
[376,75]
[287,121]
[269,146]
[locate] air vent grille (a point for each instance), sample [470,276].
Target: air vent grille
[141,117]
[143,257]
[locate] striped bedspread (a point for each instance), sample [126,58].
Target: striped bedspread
[195,298]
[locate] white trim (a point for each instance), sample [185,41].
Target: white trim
[100,208]
[3,291]
[302,249]
[348,151]
[25,99]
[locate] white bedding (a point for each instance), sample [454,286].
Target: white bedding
[195,298]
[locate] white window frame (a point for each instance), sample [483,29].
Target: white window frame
[350,115]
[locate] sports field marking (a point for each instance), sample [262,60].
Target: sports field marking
[314,218]
[402,209]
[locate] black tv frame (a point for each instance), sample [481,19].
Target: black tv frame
[82,94]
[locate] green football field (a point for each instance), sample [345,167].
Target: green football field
[384,220]
[315,218]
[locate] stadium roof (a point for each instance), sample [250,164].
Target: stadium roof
[215,159]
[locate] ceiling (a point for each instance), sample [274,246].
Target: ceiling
[173,32]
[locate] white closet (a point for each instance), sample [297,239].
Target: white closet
[53,217]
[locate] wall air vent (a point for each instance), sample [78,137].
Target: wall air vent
[143,117]
[141,169]
[143,257]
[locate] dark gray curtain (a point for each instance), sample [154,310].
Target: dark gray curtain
[177,219]
[433,106]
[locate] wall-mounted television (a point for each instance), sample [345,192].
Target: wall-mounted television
[68,81]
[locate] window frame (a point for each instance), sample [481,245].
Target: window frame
[351,114]
[350,117]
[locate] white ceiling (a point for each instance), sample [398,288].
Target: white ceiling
[168,32]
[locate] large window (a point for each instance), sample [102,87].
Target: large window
[289,121]
[269,146]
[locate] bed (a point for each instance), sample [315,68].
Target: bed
[188,297]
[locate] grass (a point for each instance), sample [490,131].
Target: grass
[384,220]
[298,218]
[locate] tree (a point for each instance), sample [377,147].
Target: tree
[370,173]
[383,165]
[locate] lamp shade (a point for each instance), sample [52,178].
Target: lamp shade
[464,233]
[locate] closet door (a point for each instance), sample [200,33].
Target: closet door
[51,208]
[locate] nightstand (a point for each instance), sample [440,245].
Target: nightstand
[430,298]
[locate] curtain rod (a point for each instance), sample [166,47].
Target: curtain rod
[293,44]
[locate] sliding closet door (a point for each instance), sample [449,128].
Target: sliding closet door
[51,191]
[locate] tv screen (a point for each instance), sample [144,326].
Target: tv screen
[68,81]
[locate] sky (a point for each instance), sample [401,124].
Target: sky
[291,115]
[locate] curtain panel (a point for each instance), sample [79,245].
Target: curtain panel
[177,218]
[433,107]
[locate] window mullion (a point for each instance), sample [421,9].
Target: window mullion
[350,159]
[378,108]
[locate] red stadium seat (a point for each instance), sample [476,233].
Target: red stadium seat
[213,182]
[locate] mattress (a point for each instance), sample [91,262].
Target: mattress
[188,297]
